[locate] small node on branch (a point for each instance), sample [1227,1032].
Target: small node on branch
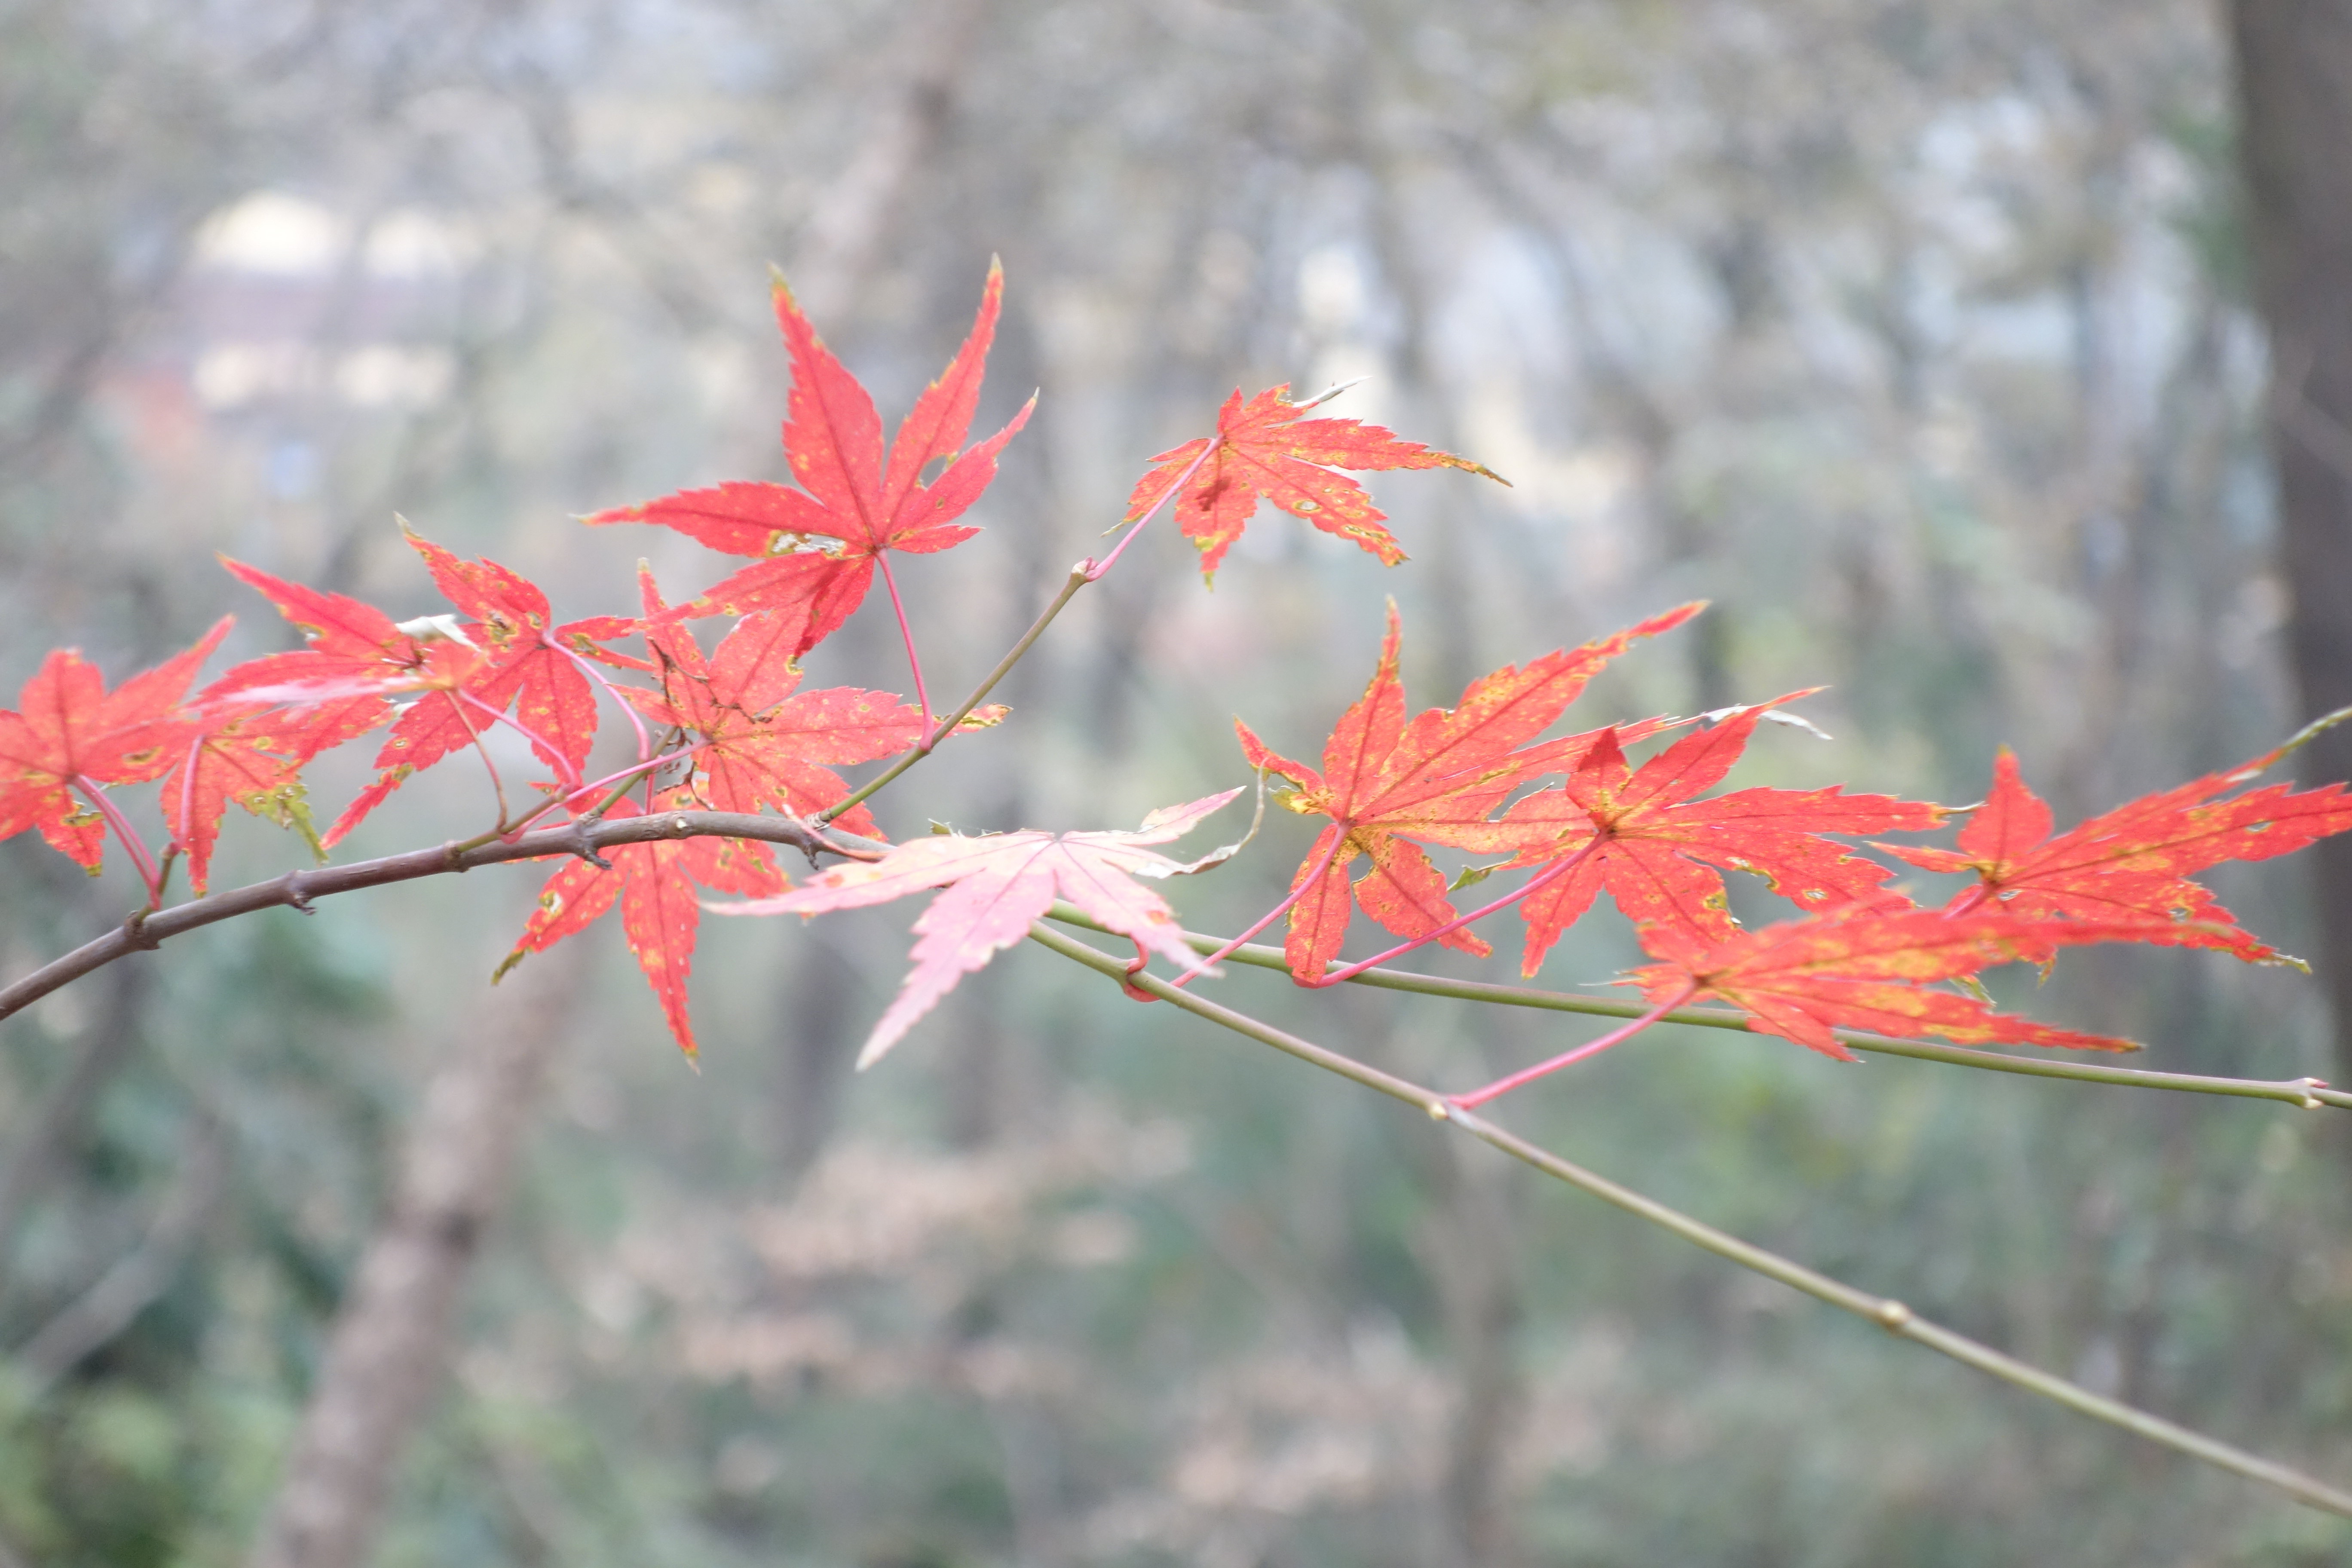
[297,897]
[1894,1317]
[585,848]
[135,929]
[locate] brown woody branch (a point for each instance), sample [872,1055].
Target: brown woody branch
[296,890]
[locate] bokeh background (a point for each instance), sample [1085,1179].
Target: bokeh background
[1919,338]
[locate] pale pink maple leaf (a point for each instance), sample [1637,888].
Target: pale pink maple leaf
[992,887]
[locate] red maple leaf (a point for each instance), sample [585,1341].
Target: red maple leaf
[833,441]
[655,883]
[69,733]
[341,683]
[525,663]
[1640,834]
[348,642]
[1390,787]
[504,654]
[766,741]
[2135,861]
[1863,967]
[994,887]
[1265,449]
[255,759]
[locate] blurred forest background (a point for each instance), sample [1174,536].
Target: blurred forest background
[1918,337]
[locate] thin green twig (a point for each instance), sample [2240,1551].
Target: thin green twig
[1888,1313]
[2308,1093]
[1085,571]
[946,727]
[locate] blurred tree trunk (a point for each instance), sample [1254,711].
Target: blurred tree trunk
[1468,1248]
[2295,89]
[391,1338]
[851,217]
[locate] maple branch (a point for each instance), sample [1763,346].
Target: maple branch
[132,843]
[1076,580]
[297,889]
[624,779]
[2306,1093]
[922,699]
[1888,1313]
[1618,1035]
[1541,881]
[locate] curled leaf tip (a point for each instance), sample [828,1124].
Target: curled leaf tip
[985,716]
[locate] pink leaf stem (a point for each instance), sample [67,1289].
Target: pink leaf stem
[1626,1031]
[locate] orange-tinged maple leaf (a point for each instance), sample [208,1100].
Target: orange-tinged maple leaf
[1642,835]
[68,733]
[766,741]
[1390,785]
[2136,860]
[848,496]
[1866,967]
[654,886]
[1265,449]
[992,887]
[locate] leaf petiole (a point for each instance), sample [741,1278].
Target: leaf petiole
[1272,915]
[628,708]
[188,785]
[1095,572]
[561,764]
[914,662]
[1618,1035]
[132,843]
[457,701]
